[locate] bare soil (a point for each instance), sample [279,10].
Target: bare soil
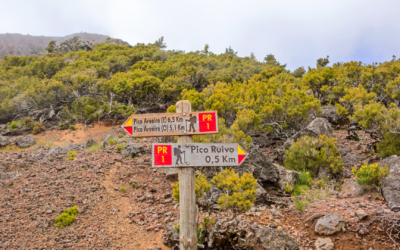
[109,218]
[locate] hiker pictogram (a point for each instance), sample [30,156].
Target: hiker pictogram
[192,120]
[178,153]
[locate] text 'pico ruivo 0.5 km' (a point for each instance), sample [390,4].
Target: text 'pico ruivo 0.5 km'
[197,154]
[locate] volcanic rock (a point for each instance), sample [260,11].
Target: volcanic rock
[330,224]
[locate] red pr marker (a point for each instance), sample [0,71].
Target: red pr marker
[207,122]
[162,155]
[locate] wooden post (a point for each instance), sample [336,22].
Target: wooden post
[187,199]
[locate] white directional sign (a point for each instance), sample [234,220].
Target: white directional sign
[169,124]
[197,154]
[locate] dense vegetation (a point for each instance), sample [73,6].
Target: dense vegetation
[114,81]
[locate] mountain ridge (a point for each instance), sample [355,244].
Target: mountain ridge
[20,45]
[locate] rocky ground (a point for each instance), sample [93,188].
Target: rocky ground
[38,183]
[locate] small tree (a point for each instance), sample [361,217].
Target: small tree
[38,127]
[311,154]
[370,176]
[322,62]
[239,192]
[50,46]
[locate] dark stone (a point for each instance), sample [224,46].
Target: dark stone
[132,150]
[330,224]
[274,239]
[351,187]
[90,143]
[317,127]
[73,44]
[256,162]
[349,157]
[170,237]
[71,147]
[4,141]
[330,114]
[25,141]
[391,183]
[9,175]
[286,176]
[392,162]
[117,41]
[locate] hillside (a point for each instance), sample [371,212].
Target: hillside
[321,173]
[20,45]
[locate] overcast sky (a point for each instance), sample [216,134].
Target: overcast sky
[296,32]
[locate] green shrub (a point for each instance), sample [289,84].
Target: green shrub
[72,127]
[304,178]
[71,155]
[300,190]
[28,121]
[311,154]
[60,124]
[171,109]
[239,193]
[176,227]
[288,187]
[13,125]
[66,218]
[370,176]
[95,147]
[38,127]
[112,141]
[208,221]
[320,183]
[390,145]
[299,205]
[123,189]
[201,186]
[134,184]
[120,147]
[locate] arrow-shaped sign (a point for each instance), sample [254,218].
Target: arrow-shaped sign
[197,154]
[169,124]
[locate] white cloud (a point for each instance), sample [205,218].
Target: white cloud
[296,32]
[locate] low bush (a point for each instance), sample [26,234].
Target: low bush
[120,147]
[71,155]
[304,178]
[123,189]
[370,176]
[390,145]
[320,183]
[299,205]
[38,127]
[95,147]
[300,190]
[66,218]
[13,125]
[239,193]
[28,121]
[288,187]
[112,141]
[134,184]
[60,124]
[311,154]
[72,127]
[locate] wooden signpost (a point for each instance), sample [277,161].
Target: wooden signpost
[170,124]
[185,155]
[197,154]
